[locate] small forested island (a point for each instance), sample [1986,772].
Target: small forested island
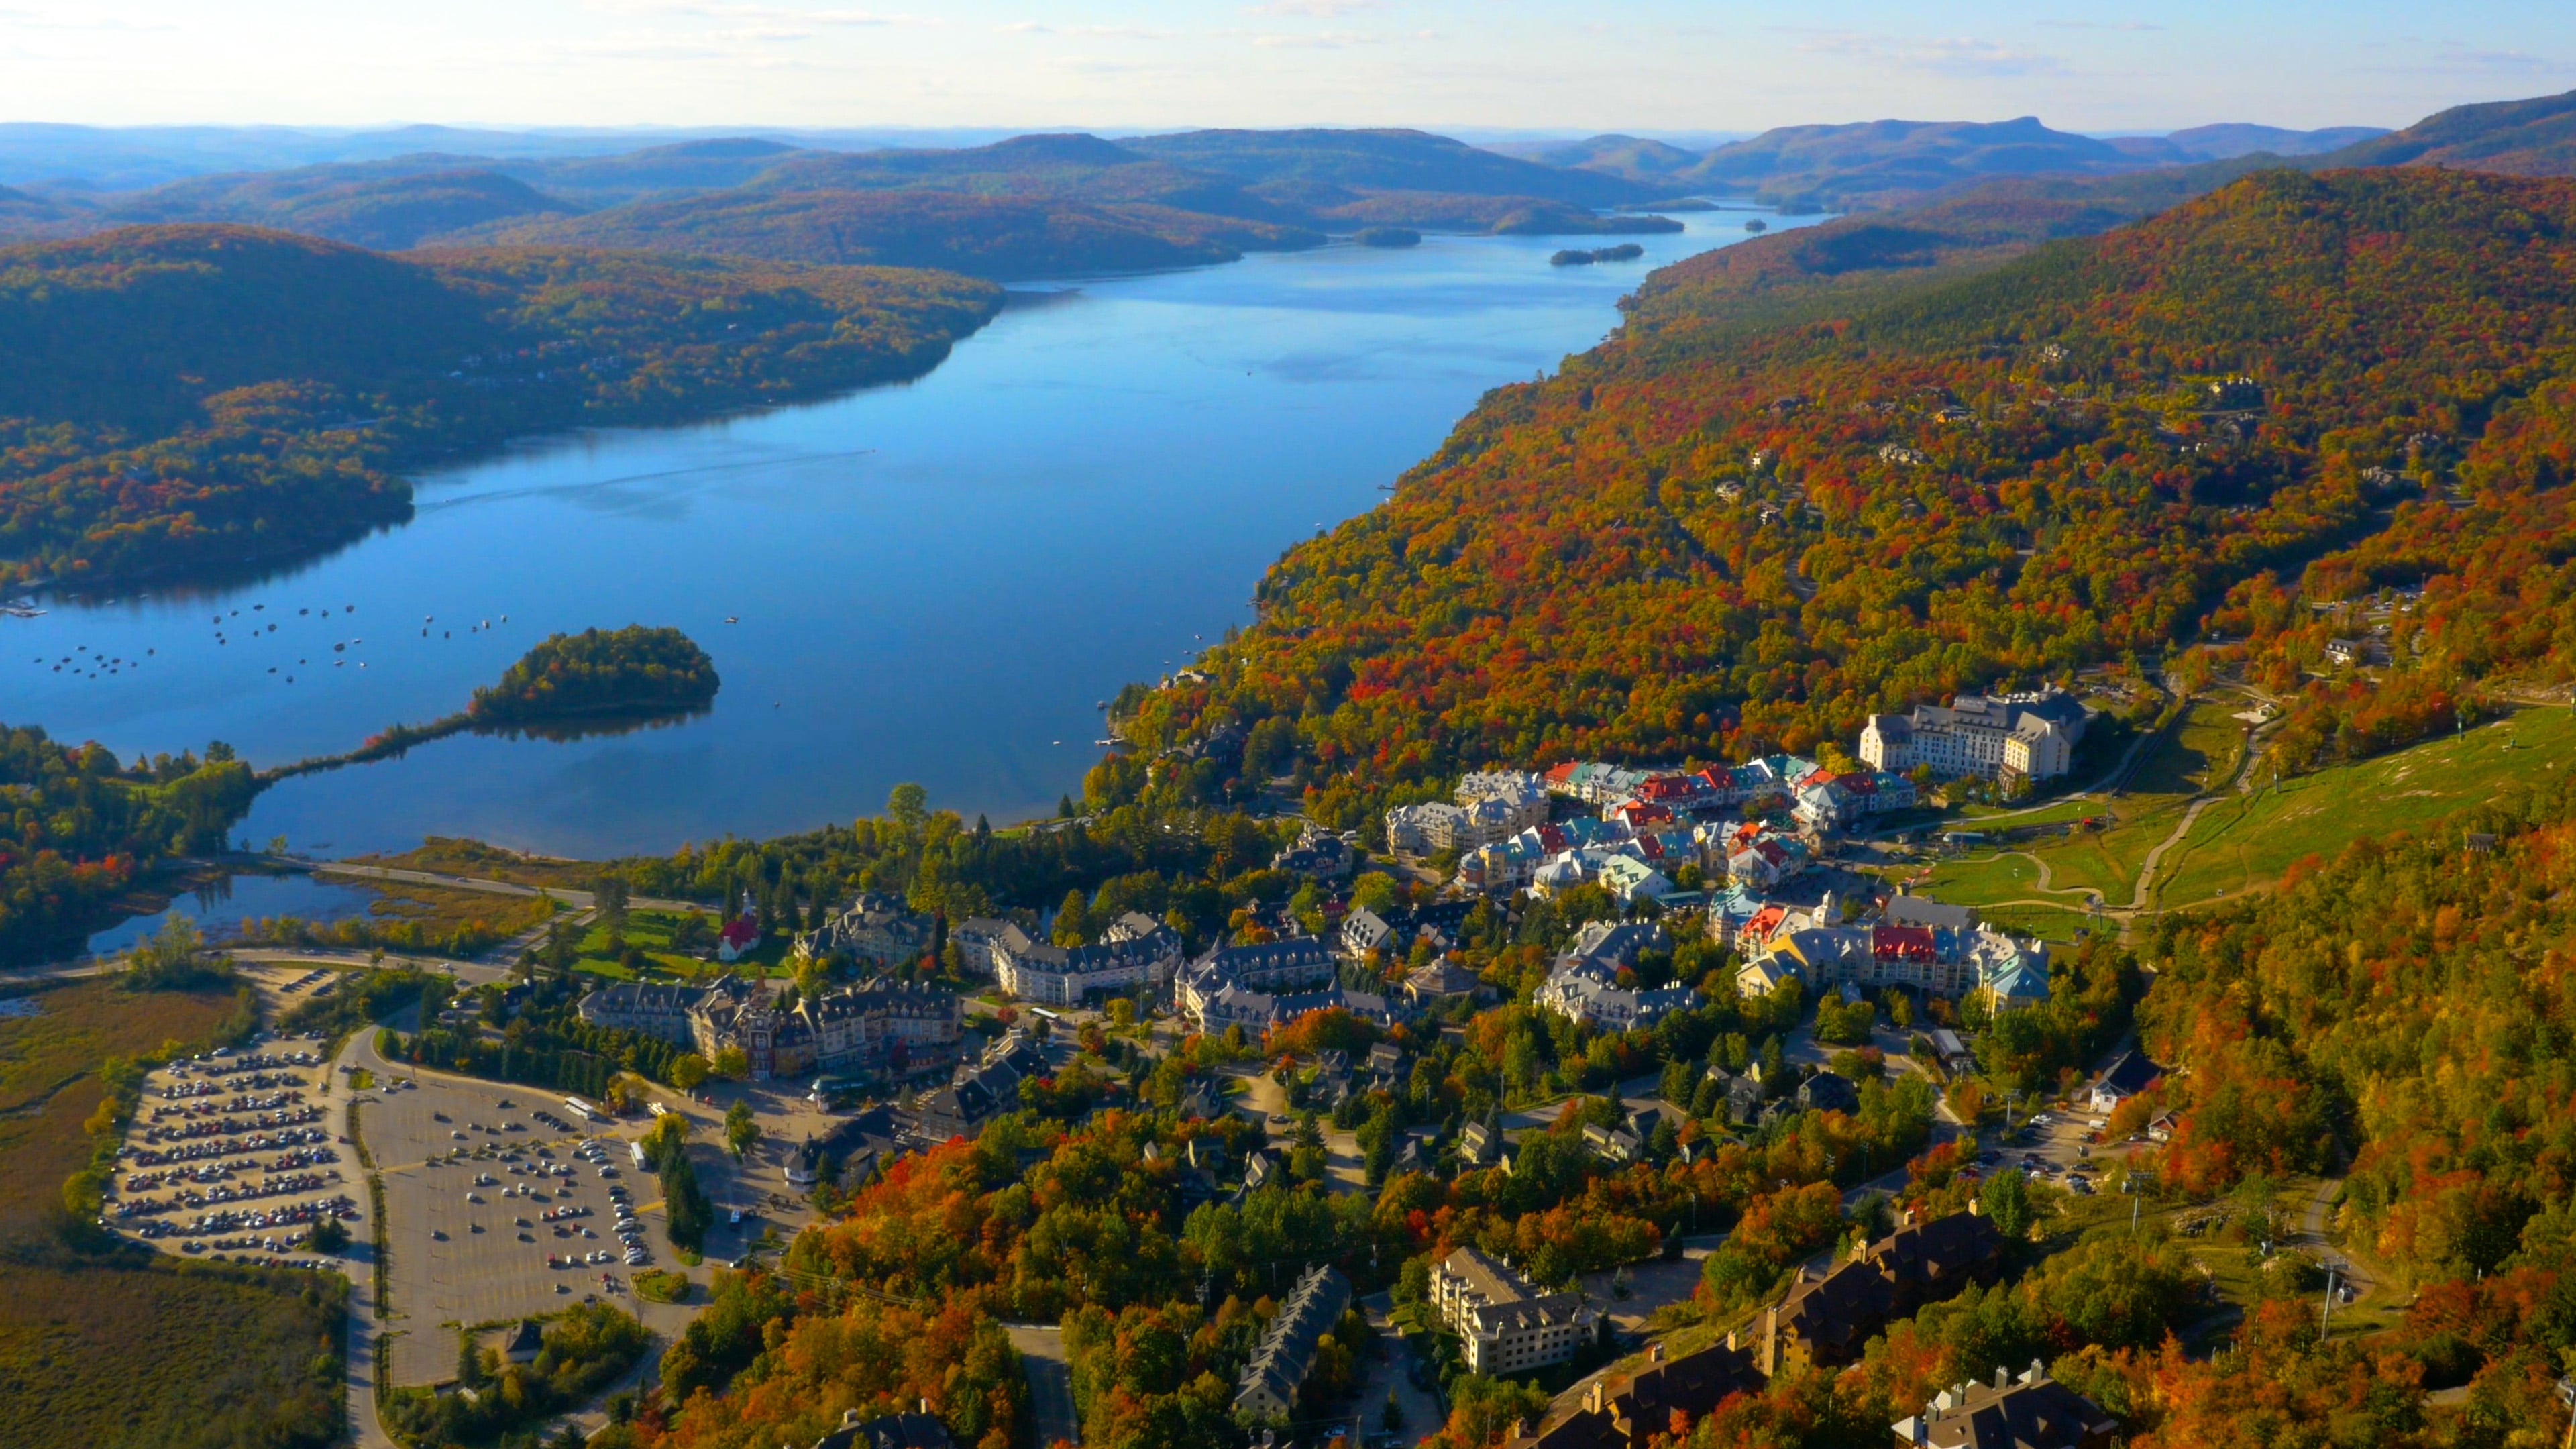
[1578,257]
[629,671]
[1388,236]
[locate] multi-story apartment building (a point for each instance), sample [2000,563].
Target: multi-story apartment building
[1994,737]
[1136,953]
[880,1026]
[1505,1324]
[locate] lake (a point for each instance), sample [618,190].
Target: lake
[935,581]
[218,908]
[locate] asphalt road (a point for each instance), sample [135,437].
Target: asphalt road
[1041,1349]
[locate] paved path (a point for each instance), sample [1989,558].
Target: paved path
[1041,1350]
[579,900]
[2190,815]
[471,973]
[2312,1237]
[365,1318]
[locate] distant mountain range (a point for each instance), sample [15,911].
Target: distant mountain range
[1022,207]
[1887,163]
[1066,204]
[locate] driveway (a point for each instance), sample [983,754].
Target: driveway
[1384,1375]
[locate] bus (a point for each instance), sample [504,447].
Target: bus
[584,1110]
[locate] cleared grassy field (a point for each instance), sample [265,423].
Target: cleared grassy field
[132,1349]
[442,913]
[2242,844]
[448,856]
[2200,752]
[169,1355]
[649,933]
[2205,748]
[49,1078]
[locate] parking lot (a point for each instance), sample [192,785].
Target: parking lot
[498,1204]
[2055,1146]
[232,1155]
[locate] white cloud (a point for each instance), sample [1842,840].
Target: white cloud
[1092,32]
[1316,9]
[744,11]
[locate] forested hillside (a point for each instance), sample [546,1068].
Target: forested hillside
[1883,163]
[1702,540]
[184,398]
[1003,237]
[1030,206]
[78,829]
[1382,161]
[2535,137]
[387,204]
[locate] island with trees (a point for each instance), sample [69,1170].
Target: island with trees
[597,681]
[631,672]
[1578,257]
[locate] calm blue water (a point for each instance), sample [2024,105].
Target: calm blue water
[933,582]
[218,909]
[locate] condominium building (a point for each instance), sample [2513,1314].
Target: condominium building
[1268,1388]
[1993,737]
[1504,1322]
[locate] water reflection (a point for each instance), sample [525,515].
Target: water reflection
[930,582]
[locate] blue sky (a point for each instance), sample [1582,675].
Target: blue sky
[1668,65]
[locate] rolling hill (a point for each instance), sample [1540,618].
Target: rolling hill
[191,398]
[1413,161]
[1028,206]
[388,205]
[2535,137]
[1879,163]
[682,169]
[1000,237]
[1074,168]
[1707,538]
[1646,162]
[2229,140]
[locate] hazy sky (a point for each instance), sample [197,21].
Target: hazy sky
[1540,64]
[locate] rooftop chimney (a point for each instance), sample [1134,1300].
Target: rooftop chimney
[1596,1397]
[1976,1208]
[2037,1373]
[2003,1379]
[1655,1351]
[1730,1341]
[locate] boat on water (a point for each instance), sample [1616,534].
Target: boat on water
[21,609]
